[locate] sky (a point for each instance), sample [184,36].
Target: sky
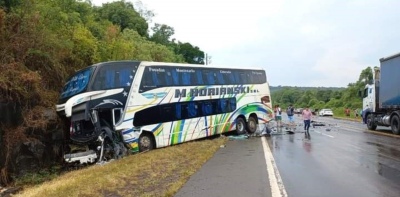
[304,43]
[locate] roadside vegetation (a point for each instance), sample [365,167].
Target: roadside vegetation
[160,172]
[42,42]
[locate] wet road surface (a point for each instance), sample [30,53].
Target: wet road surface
[342,159]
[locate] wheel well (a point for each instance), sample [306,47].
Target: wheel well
[151,135]
[395,113]
[254,115]
[241,116]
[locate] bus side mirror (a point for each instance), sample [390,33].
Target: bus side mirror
[360,94]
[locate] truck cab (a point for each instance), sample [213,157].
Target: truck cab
[369,97]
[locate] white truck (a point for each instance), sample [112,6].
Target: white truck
[381,99]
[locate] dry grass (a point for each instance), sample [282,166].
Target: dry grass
[160,172]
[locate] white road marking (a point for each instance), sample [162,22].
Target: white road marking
[328,135]
[324,134]
[275,180]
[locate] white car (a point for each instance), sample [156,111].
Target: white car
[325,112]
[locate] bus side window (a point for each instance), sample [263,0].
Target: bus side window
[230,78]
[221,106]
[215,106]
[232,104]
[248,76]
[199,78]
[242,78]
[185,78]
[258,77]
[142,117]
[178,111]
[192,109]
[155,80]
[237,77]
[168,79]
[184,110]
[209,76]
[220,78]
[167,113]
[147,79]
[193,79]
[175,76]
[207,108]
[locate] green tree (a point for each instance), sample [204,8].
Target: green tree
[162,34]
[123,14]
[191,54]
[366,76]
[7,5]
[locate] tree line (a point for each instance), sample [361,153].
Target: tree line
[317,98]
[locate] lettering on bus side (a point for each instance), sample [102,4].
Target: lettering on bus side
[195,92]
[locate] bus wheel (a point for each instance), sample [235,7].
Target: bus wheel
[146,142]
[395,124]
[252,125]
[240,126]
[370,122]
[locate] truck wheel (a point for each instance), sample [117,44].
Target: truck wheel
[146,142]
[370,123]
[252,125]
[395,124]
[240,126]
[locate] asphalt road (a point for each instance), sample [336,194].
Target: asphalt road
[342,158]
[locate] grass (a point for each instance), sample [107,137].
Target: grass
[160,172]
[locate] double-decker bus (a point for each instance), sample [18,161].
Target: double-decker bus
[112,108]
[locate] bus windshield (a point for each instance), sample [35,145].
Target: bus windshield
[114,75]
[77,83]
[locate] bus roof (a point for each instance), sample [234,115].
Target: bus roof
[150,63]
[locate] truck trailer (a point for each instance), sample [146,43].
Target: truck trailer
[381,99]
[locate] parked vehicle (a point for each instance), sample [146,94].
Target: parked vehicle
[381,99]
[325,112]
[298,110]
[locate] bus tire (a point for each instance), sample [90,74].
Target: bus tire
[240,126]
[252,124]
[395,125]
[146,142]
[370,122]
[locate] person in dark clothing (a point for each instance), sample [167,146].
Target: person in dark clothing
[364,114]
[290,113]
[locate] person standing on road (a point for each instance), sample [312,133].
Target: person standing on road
[290,113]
[307,114]
[364,114]
[278,116]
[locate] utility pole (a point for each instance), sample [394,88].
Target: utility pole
[207,59]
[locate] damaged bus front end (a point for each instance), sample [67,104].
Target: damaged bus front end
[91,104]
